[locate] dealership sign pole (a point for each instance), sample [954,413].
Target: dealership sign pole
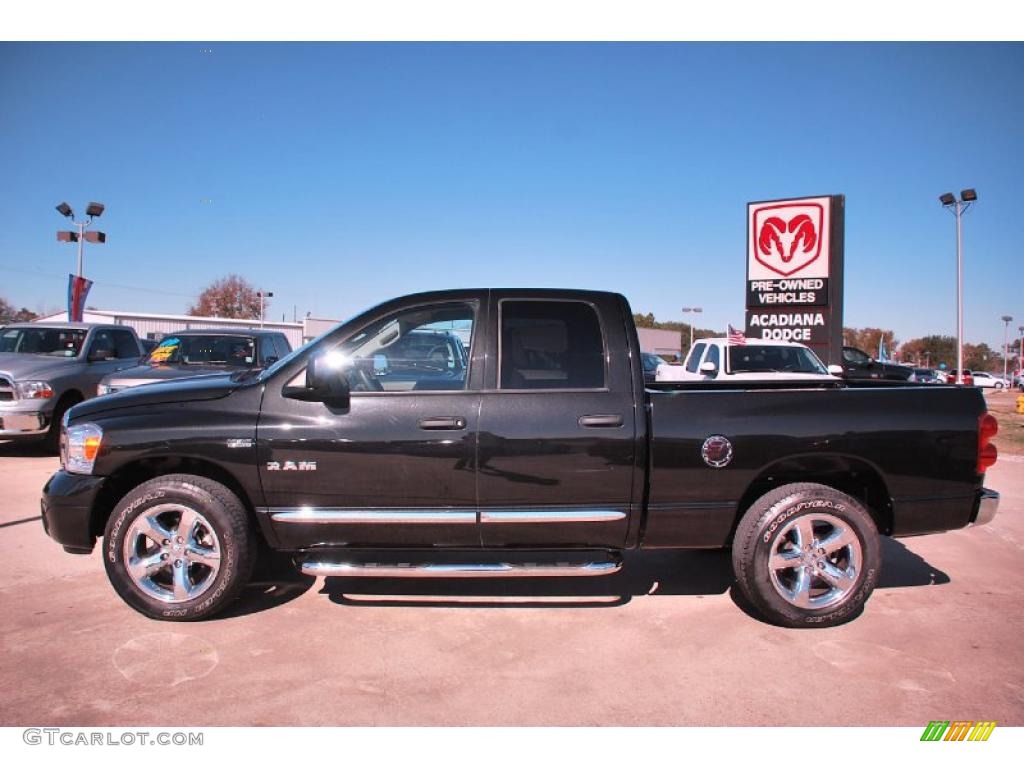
[795,272]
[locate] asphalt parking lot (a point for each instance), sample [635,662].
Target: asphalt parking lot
[665,642]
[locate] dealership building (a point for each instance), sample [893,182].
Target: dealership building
[153,326]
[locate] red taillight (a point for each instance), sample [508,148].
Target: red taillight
[987,453]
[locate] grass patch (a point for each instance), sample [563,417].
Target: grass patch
[1003,405]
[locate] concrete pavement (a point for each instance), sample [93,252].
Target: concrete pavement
[665,642]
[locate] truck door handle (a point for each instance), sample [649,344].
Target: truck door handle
[443,422]
[601,420]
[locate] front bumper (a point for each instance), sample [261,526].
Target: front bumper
[67,506]
[23,423]
[988,505]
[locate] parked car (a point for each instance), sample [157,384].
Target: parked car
[547,458]
[148,345]
[926,376]
[198,352]
[760,359]
[968,378]
[45,368]
[988,380]
[858,364]
[650,362]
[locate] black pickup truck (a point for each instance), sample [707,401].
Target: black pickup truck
[539,453]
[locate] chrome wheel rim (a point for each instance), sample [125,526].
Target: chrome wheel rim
[814,561]
[172,553]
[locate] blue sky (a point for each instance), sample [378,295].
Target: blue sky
[343,174]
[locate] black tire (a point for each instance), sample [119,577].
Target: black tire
[221,527]
[838,582]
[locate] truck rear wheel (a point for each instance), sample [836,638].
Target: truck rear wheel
[179,547]
[807,555]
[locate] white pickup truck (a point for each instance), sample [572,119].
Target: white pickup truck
[757,360]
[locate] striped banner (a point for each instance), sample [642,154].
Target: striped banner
[78,289]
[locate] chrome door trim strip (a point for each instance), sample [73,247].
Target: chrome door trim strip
[551,515]
[342,516]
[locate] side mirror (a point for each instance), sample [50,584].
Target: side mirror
[326,382]
[835,370]
[708,368]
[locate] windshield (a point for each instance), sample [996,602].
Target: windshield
[751,358]
[651,362]
[57,342]
[237,351]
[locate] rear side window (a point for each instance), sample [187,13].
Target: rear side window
[694,362]
[283,347]
[125,344]
[269,349]
[551,345]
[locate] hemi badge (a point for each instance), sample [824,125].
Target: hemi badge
[239,442]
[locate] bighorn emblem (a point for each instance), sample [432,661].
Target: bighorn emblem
[787,238]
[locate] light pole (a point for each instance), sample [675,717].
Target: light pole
[1020,358]
[957,206]
[93,211]
[687,310]
[263,295]
[1006,330]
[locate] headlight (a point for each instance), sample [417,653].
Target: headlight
[33,390]
[102,389]
[80,445]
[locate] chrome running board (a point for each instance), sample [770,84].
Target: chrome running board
[457,570]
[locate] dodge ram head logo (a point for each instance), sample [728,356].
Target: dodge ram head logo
[787,237]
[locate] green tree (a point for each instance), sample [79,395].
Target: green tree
[931,351]
[867,339]
[981,357]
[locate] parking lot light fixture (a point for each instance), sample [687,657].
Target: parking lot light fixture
[93,210]
[687,310]
[1006,331]
[263,295]
[957,206]
[1020,357]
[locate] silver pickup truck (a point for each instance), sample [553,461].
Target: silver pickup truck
[45,368]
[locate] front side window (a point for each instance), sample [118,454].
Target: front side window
[855,356]
[426,348]
[713,357]
[102,346]
[551,345]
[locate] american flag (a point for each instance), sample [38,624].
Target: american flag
[736,337]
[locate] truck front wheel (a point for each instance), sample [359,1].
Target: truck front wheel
[179,547]
[807,555]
